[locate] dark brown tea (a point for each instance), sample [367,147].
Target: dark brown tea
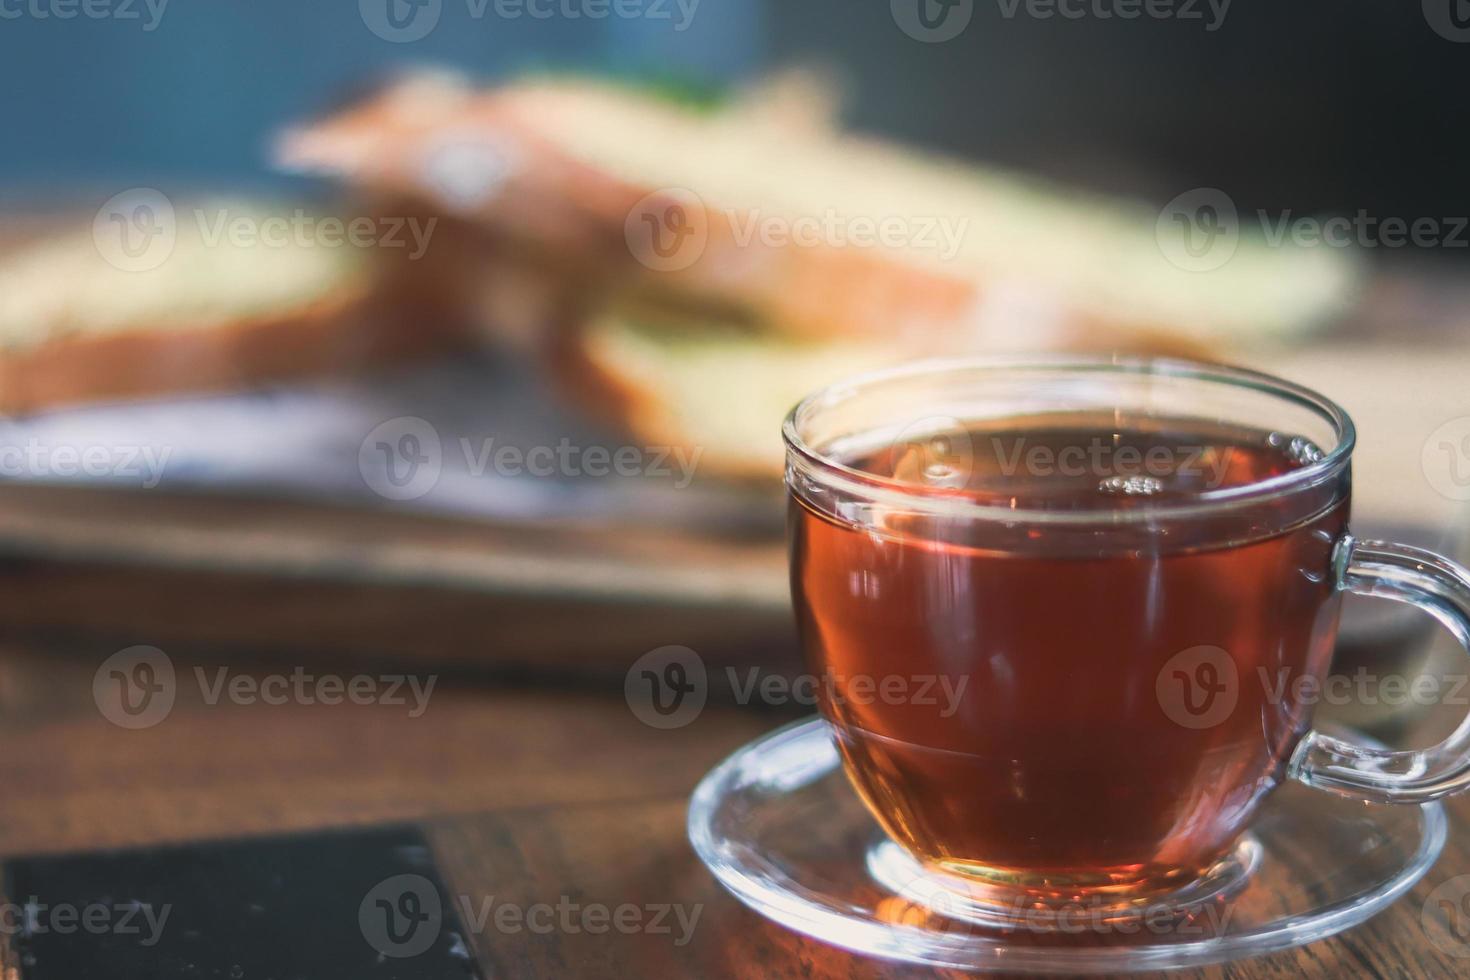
[1095,701]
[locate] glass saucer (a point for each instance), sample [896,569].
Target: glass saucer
[781,828]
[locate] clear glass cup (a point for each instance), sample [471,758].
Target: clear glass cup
[1088,698]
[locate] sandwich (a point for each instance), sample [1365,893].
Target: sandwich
[728,255]
[203,297]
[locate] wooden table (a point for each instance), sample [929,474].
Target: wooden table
[527,793]
[528,790]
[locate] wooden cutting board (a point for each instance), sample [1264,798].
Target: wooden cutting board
[263,576]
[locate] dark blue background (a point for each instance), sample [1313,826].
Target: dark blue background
[1316,105]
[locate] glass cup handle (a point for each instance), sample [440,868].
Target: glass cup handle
[1441,588]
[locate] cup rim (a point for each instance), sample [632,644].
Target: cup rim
[957,503]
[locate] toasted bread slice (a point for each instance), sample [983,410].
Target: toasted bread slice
[717,389]
[211,314]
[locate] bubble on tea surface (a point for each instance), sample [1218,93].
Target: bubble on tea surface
[1302,452]
[1132,486]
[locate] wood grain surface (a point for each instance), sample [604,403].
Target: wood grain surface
[529,794]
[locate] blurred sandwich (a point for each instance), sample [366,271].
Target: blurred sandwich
[728,257]
[83,319]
